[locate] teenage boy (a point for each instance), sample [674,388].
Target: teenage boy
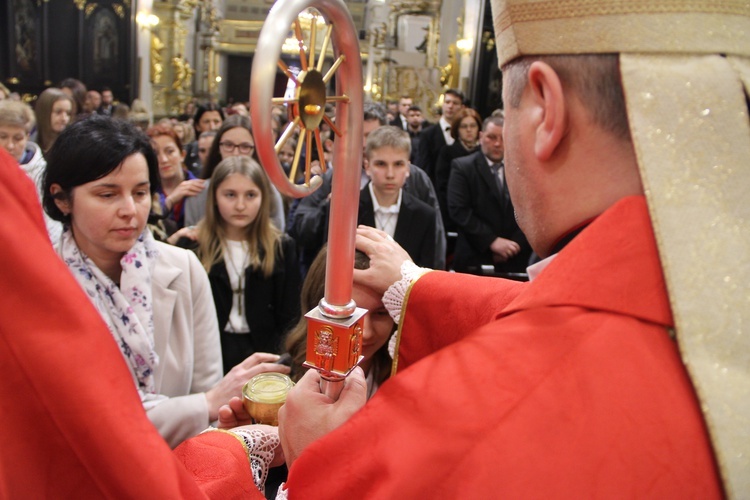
[385,205]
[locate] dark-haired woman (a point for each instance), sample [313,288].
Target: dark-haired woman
[465,129]
[155,298]
[207,117]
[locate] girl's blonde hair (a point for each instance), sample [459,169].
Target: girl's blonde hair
[263,237]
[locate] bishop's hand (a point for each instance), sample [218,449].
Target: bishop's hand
[308,414]
[386,257]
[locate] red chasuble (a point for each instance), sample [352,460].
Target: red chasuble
[72,423]
[573,388]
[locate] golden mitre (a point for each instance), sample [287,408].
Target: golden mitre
[685,69]
[533,27]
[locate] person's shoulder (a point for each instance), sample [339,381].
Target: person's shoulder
[175,256]
[415,204]
[458,149]
[286,241]
[468,161]
[463,162]
[430,129]
[417,172]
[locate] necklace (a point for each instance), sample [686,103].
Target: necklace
[240,290]
[384,221]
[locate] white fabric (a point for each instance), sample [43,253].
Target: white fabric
[35,169]
[446,128]
[186,334]
[393,298]
[236,259]
[534,269]
[386,218]
[128,309]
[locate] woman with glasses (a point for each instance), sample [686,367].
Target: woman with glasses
[234,138]
[465,129]
[177,182]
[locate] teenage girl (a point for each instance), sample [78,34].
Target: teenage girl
[377,329]
[251,264]
[54,111]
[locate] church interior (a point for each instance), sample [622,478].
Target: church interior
[169,53]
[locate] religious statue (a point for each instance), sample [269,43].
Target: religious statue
[156,59]
[180,72]
[449,72]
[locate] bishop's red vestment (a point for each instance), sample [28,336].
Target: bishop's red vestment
[573,388]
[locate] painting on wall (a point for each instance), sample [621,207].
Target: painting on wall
[26,44]
[413,32]
[105,43]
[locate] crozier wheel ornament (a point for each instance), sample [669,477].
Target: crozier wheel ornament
[335,326]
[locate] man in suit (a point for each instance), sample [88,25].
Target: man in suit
[415,124]
[438,135]
[106,106]
[404,103]
[479,204]
[383,203]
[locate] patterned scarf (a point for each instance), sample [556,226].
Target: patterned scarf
[127,309]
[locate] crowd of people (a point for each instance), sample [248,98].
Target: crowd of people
[184,272]
[473,223]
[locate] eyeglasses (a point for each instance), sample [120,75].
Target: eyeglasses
[229,147]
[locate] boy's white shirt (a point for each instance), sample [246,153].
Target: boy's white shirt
[385,217]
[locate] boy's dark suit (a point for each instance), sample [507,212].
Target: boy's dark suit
[415,229]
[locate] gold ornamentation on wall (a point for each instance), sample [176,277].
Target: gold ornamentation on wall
[157,68]
[90,8]
[80,4]
[400,7]
[183,73]
[449,73]
[119,10]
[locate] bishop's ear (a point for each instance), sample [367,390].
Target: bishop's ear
[62,200]
[549,102]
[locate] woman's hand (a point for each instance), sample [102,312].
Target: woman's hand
[184,189]
[231,385]
[233,414]
[189,232]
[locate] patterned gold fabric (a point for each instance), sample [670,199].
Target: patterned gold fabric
[536,27]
